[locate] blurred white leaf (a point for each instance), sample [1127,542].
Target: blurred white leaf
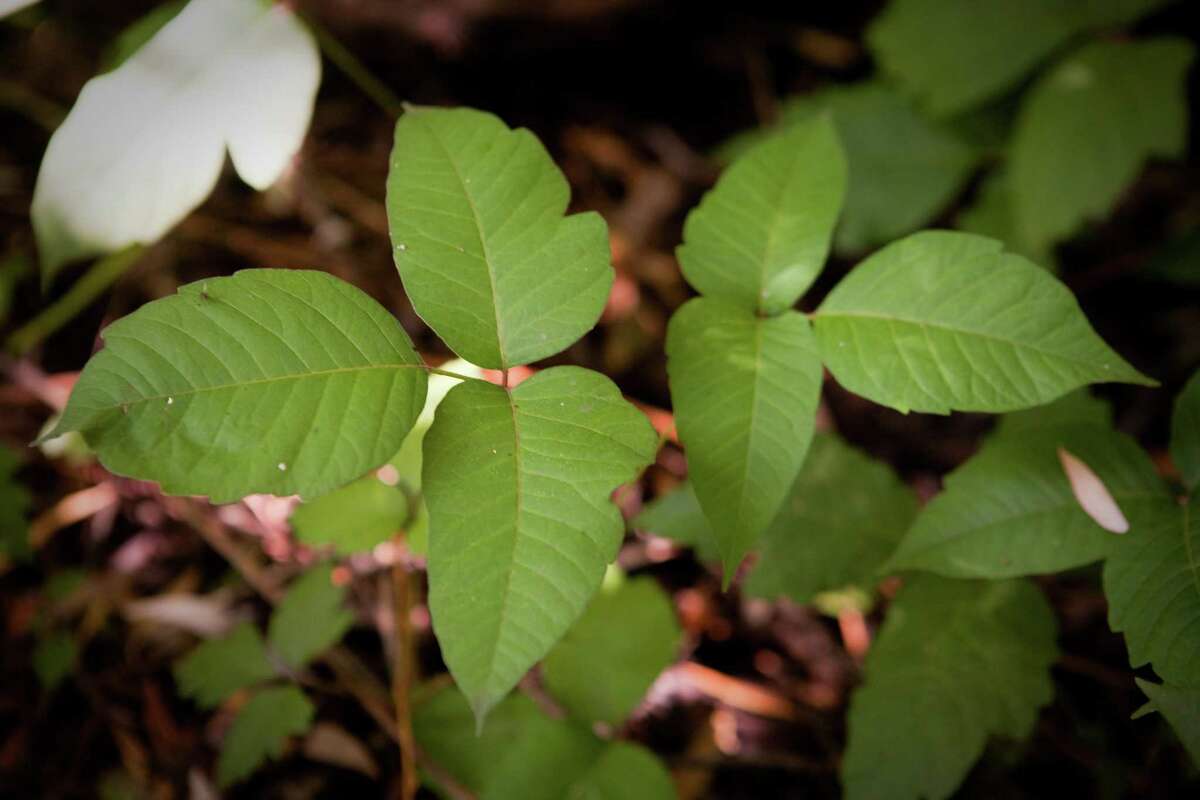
[145,143]
[1093,496]
[13,6]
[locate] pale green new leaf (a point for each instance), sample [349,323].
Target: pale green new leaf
[521,525]
[745,390]
[1181,707]
[842,520]
[1152,582]
[310,618]
[261,730]
[520,752]
[487,257]
[677,515]
[1185,433]
[631,630]
[903,168]
[1009,510]
[219,667]
[145,143]
[955,663]
[277,381]
[14,505]
[1087,127]
[953,55]
[943,321]
[759,238]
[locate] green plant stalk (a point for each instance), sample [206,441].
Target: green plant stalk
[101,275]
[354,69]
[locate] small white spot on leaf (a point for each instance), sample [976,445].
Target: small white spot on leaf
[170,400]
[1093,496]
[282,467]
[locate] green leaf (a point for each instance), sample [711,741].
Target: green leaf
[1086,128]
[1077,408]
[261,730]
[745,390]
[624,771]
[520,752]
[677,515]
[1178,261]
[145,143]
[944,321]
[481,243]
[992,215]
[310,618]
[521,525]
[1181,706]
[277,381]
[1152,582]
[54,659]
[761,236]
[1185,433]
[517,741]
[955,663]
[954,55]
[219,667]
[14,505]
[610,657]
[1009,510]
[842,520]
[354,518]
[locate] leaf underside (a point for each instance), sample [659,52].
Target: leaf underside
[276,381]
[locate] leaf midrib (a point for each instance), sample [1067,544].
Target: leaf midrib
[1016,343]
[479,233]
[260,382]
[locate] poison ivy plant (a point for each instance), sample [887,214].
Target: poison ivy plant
[236,74]
[1086,128]
[308,620]
[520,752]
[261,730]
[969,660]
[816,546]
[14,505]
[631,629]
[516,479]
